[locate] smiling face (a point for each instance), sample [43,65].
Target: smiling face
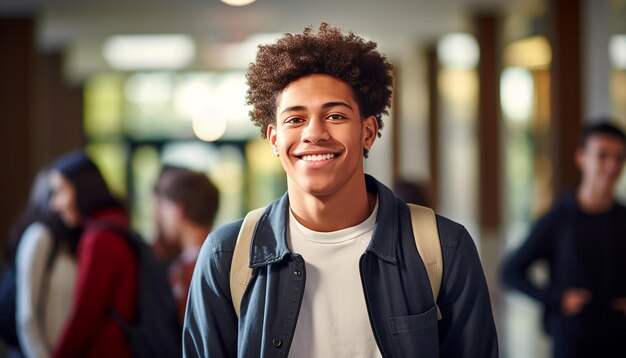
[320,136]
[601,161]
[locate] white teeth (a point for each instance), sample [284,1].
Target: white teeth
[318,157]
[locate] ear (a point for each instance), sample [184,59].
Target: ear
[271,137]
[369,131]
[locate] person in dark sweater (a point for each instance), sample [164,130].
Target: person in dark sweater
[583,240]
[107,269]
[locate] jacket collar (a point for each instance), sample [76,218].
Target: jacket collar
[269,241]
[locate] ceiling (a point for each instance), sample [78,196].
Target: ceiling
[398,26]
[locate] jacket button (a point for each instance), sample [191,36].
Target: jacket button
[277,342]
[297,273]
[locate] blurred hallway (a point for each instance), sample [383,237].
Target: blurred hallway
[489,100]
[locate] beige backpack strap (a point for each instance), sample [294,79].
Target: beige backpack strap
[240,270]
[427,241]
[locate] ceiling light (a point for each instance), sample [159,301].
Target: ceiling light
[517,93]
[238,2]
[458,50]
[617,51]
[209,127]
[142,52]
[530,52]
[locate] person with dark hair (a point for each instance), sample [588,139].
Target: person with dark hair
[583,240]
[187,203]
[45,272]
[334,267]
[107,276]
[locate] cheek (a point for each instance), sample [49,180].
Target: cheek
[282,142]
[60,203]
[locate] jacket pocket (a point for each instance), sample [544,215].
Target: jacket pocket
[415,335]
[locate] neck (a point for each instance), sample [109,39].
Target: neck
[594,200]
[332,212]
[192,235]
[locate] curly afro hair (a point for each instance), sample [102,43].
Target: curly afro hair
[347,57]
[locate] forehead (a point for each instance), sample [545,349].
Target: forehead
[315,88]
[57,179]
[603,141]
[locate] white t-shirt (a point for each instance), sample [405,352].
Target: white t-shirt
[333,320]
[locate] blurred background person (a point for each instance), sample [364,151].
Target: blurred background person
[583,240]
[43,250]
[165,250]
[415,192]
[187,202]
[46,273]
[107,270]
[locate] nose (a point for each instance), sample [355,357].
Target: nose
[315,131]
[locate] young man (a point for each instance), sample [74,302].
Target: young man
[583,240]
[187,203]
[336,270]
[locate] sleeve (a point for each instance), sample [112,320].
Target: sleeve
[210,328]
[98,252]
[467,328]
[32,256]
[515,270]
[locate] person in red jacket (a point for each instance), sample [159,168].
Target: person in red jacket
[107,270]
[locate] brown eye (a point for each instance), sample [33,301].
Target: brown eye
[335,117]
[294,120]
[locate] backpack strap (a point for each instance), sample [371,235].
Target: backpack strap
[240,271]
[426,237]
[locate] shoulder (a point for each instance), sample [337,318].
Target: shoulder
[462,267]
[451,233]
[458,248]
[101,235]
[456,243]
[36,232]
[224,238]
[217,250]
[104,240]
[36,237]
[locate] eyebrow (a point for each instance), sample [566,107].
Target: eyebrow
[324,106]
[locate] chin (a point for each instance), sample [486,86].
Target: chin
[71,221]
[318,190]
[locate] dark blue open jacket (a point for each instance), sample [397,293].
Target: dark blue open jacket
[396,287]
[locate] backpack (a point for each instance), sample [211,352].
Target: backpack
[8,298]
[425,233]
[156,331]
